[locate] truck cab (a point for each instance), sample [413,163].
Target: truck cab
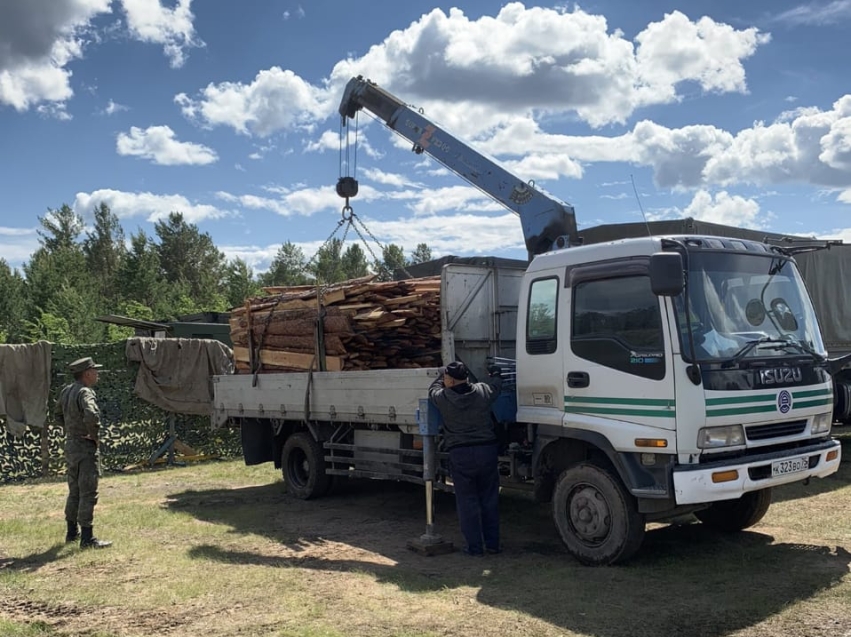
[638,413]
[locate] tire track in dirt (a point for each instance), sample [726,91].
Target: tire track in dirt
[69,619]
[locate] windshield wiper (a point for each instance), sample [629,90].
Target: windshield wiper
[750,345]
[801,345]
[775,343]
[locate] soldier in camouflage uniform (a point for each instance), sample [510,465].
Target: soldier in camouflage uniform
[77,411]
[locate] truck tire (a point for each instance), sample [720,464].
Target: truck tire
[736,515]
[596,516]
[303,467]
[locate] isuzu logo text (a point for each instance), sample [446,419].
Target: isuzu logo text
[777,375]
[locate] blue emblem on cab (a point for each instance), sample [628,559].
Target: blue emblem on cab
[784,402]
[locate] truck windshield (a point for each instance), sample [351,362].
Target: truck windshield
[746,306]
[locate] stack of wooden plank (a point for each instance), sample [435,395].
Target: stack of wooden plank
[367,325]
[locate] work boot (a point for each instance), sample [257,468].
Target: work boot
[73,532]
[89,541]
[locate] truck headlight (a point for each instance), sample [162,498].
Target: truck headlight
[822,423]
[714,437]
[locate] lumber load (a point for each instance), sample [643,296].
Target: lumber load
[366,324]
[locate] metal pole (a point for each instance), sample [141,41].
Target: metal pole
[430,542]
[428,477]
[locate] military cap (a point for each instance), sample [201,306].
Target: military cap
[82,364]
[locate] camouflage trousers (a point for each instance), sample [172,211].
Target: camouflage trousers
[83,463]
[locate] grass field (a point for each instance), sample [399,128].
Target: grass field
[219,549]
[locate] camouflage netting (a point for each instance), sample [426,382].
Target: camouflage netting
[131,431]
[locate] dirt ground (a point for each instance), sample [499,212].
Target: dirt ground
[219,549]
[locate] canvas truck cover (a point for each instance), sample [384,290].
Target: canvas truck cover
[827,273]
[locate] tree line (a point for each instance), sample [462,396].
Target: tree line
[76,275]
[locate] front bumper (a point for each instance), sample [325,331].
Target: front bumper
[693,483]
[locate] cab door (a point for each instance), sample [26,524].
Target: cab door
[540,351]
[617,365]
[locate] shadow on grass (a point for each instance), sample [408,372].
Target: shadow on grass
[34,561]
[686,580]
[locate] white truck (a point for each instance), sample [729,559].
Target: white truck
[648,377]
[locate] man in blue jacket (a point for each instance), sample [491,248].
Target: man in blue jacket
[469,436]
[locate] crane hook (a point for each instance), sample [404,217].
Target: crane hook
[347,187]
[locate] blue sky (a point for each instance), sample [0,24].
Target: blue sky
[225,110]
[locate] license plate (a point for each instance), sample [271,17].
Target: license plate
[784,467]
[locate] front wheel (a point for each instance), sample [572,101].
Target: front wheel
[303,467]
[736,515]
[596,516]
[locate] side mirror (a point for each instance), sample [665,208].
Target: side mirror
[666,274]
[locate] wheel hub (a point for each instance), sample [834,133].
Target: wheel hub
[300,468]
[589,514]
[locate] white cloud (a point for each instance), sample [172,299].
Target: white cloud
[299,13]
[723,208]
[474,73]
[150,21]
[836,145]
[328,140]
[818,14]
[55,110]
[806,145]
[38,38]
[705,51]
[300,201]
[16,232]
[17,245]
[811,148]
[146,204]
[544,166]
[258,257]
[452,198]
[158,144]
[113,107]
[843,233]
[17,252]
[453,234]
[276,100]
[390,179]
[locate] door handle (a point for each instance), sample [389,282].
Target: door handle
[577,380]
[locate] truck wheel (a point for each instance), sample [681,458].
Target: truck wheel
[596,516]
[735,515]
[303,467]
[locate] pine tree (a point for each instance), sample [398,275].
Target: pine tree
[12,304]
[240,283]
[187,255]
[105,250]
[327,266]
[287,268]
[354,263]
[393,259]
[421,254]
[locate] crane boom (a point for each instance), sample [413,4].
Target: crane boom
[547,223]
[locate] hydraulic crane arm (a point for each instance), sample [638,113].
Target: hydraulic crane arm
[547,223]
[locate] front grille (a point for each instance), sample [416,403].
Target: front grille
[776,430]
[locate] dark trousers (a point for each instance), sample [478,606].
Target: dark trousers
[475,473]
[83,473]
